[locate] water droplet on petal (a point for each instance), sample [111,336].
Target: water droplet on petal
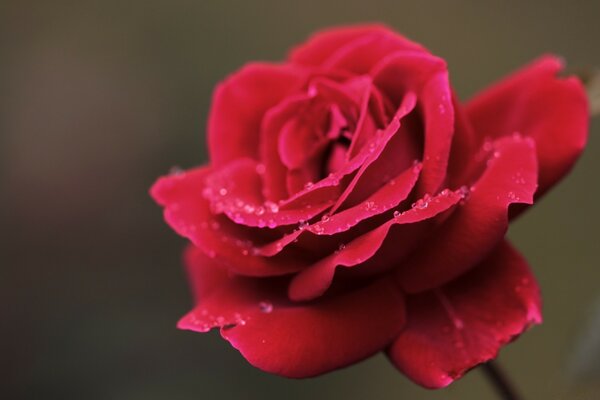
[396,214]
[176,171]
[260,169]
[274,208]
[463,192]
[265,307]
[302,225]
[488,145]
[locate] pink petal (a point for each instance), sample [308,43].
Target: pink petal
[536,103]
[476,227]
[465,323]
[297,340]
[239,104]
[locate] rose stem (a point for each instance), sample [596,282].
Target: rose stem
[500,381]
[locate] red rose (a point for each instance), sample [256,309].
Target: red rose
[352,205]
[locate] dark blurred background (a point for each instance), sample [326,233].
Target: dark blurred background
[99,98]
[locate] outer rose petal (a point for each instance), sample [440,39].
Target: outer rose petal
[239,104]
[323,44]
[188,213]
[290,339]
[480,224]
[536,103]
[452,329]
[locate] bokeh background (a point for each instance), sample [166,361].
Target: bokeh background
[99,98]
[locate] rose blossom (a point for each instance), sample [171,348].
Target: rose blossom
[353,205]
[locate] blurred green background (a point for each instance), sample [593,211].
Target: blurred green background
[99,98]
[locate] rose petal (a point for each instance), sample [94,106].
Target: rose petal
[204,273]
[399,154]
[452,329]
[426,75]
[234,189]
[361,54]
[536,103]
[239,104]
[313,281]
[275,171]
[465,145]
[189,214]
[376,146]
[297,340]
[476,227]
[322,45]
[386,198]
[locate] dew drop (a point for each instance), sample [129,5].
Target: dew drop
[265,307]
[517,136]
[488,145]
[303,225]
[274,208]
[176,171]
[223,191]
[308,185]
[260,169]
[396,214]
[420,204]
[463,192]
[325,218]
